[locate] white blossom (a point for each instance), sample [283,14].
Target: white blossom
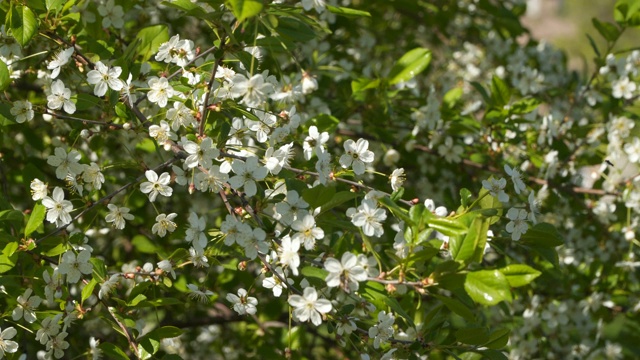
[117,215]
[242,303]
[156,185]
[58,208]
[357,155]
[309,307]
[346,273]
[74,265]
[26,306]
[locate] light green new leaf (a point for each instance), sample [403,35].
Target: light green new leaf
[464,247]
[347,12]
[35,220]
[519,274]
[627,12]
[447,226]
[150,39]
[487,287]
[88,290]
[410,64]
[113,352]
[8,257]
[5,77]
[23,24]
[244,9]
[500,93]
[54,5]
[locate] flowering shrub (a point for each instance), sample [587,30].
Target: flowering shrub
[314,179]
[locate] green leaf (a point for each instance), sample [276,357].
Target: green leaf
[99,268]
[339,199]
[23,24]
[347,12]
[54,5]
[113,352]
[473,336]
[359,86]
[627,12]
[483,92]
[5,77]
[165,332]
[519,274]
[399,212]
[463,248]
[315,275]
[326,122]
[487,287]
[137,300]
[8,257]
[86,101]
[498,339]
[542,234]
[88,290]
[410,64]
[524,106]
[36,219]
[143,244]
[318,195]
[446,226]
[244,9]
[608,30]
[593,45]
[11,215]
[500,93]
[465,197]
[456,307]
[149,40]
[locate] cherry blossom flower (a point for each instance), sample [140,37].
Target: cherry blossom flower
[60,98]
[533,207]
[156,185]
[74,266]
[309,83]
[112,14]
[236,231]
[167,267]
[346,273]
[22,110]
[516,177]
[314,140]
[56,346]
[253,91]
[291,209]
[254,242]
[242,303]
[518,224]
[195,233]
[318,5]
[397,178]
[275,284]
[623,88]
[496,188]
[38,189]
[288,254]
[117,215]
[197,257]
[58,208]
[65,163]
[92,176]
[201,295]
[199,154]
[212,180]
[163,134]
[449,151]
[369,217]
[26,306]
[107,287]
[383,330]
[104,78]
[309,307]
[180,116]
[356,155]
[307,232]
[247,173]
[164,223]
[53,287]
[8,346]
[323,165]
[50,328]
[160,91]
[59,60]
[177,51]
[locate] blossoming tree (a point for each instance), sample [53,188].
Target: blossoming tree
[308,179]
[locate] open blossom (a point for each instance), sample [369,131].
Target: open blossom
[59,60]
[38,189]
[104,77]
[247,173]
[516,177]
[346,273]
[242,303]
[275,284]
[292,208]
[201,295]
[156,185]
[496,188]
[74,266]
[253,91]
[180,115]
[518,224]
[357,154]
[307,232]
[65,163]
[60,98]
[160,91]
[199,154]
[92,176]
[26,306]
[112,15]
[164,223]
[58,208]
[623,88]
[8,346]
[22,110]
[117,215]
[195,233]
[211,179]
[309,307]
[383,330]
[177,51]
[314,140]
[289,254]
[163,134]
[369,217]
[397,178]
